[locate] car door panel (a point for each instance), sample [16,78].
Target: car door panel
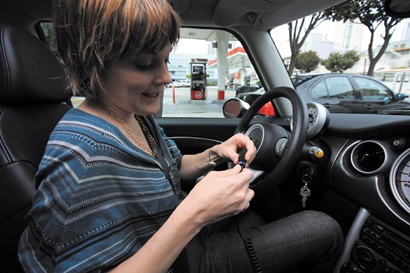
[195,135]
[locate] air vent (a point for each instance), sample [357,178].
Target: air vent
[368,157]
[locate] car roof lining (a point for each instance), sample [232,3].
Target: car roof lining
[263,14]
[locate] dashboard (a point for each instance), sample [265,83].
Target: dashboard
[362,181]
[369,165]
[369,172]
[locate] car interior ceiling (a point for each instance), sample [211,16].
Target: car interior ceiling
[264,14]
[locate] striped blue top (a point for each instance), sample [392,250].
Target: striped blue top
[99,198]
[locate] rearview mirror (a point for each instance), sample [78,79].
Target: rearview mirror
[397,8]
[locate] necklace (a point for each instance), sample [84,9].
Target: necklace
[151,150]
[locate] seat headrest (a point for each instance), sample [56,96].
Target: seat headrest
[29,72]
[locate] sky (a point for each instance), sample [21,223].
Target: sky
[327,28]
[187,46]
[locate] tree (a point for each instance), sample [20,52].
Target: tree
[298,32]
[337,62]
[371,14]
[307,61]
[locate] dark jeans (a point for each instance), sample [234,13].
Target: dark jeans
[309,240]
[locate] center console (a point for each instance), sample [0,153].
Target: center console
[376,247]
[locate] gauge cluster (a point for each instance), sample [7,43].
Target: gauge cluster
[400,180]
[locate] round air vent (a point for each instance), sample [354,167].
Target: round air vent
[368,157]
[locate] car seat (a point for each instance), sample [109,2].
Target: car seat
[33,98]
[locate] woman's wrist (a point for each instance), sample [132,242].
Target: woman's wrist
[206,161]
[214,156]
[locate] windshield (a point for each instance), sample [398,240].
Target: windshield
[311,48]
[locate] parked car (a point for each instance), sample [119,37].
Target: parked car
[301,78]
[246,89]
[343,93]
[185,83]
[250,97]
[349,93]
[355,164]
[175,84]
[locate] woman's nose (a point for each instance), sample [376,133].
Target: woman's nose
[163,76]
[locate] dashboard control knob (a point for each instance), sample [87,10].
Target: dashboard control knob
[366,258]
[315,152]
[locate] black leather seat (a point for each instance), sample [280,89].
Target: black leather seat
[33,98]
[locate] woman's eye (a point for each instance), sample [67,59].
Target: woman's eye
[145,67]
[149,66]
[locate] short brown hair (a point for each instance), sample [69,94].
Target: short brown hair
[91,33]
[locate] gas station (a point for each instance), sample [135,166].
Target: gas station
[236,60]
[227,60]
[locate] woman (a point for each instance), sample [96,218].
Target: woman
[109,195]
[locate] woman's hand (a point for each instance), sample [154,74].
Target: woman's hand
[229,149]
[193,166]
[218,195]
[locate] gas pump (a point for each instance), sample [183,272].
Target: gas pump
[198,79]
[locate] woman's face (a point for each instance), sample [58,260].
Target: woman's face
[135,85]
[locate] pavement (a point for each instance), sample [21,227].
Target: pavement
[178,103]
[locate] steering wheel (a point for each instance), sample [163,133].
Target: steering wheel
[277,150]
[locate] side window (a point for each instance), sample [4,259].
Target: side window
[48,31]
[320,91]
[340,88]
[372,90]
